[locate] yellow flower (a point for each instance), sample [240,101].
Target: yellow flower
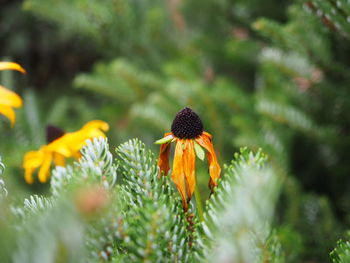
[9,99]
[187,132]
[67,145]
[12,66]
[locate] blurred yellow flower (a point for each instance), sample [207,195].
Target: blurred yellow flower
[68,145]
[9,99]
[11,66]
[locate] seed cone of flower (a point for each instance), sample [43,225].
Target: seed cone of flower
[187,132]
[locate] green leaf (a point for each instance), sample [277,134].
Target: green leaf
[199,151]
[164,140]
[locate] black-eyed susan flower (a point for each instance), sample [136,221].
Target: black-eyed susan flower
[61,146]
[8,98]
[187,132]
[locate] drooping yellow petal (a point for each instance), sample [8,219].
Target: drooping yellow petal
[93,129]
[11,66]
[70,144]
[35,159]
[32,160]
[163,160]
[41,158]
[189,160]
[178,175]
[214,168]
[44,171]
[28,175]
[96,125]
[9,98]
[9,113]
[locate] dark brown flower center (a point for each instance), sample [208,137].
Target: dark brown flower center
[53,133]
[187,124]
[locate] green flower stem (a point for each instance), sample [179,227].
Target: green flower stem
[199,205]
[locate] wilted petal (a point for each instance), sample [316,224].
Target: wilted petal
[208,135]
[189,159]
[163,160]
[178,175]
[214,168]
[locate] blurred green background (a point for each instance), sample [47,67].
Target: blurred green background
[272,75]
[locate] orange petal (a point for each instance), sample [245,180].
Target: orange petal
[163,160]
[12,66]
[207,134]
[189,159]
[214,168]
[9,98]
[178,175]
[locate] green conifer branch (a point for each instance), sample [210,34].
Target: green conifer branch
[341,253]
[153,227]
[3,191]
[239,213]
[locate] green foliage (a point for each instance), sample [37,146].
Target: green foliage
[2,167]
[119,80]
[272,76]
[136,29]
[36,204]
[237,231]
[89,218]
[51,236]
[334,14]
[341,253]
[96,164]
[3,191]
[317,209]
[153,227]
